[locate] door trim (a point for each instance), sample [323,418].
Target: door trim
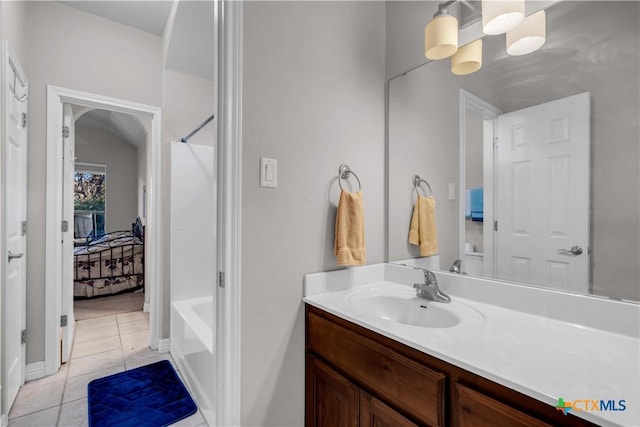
[56,97]
[471,103]
[228,324]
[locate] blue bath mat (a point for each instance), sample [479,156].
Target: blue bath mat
[149,396]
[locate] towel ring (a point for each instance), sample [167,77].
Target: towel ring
[416,184]
[343,173]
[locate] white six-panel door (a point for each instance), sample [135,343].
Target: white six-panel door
[543,194]
[15,242]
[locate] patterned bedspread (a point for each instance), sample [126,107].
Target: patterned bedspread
[110,265]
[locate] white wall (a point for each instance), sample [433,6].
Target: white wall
[95,145]
[14,27]
[69,48]
[313,98]
[423,140]
[187,102]
[405,34]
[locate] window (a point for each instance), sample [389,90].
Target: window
[89,196]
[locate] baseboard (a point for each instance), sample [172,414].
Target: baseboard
[5,420]
[164,345]
[34,371]
[146,307]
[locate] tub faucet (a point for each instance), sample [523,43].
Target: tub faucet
[430,289]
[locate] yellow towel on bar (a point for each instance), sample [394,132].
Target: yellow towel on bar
[423,232]
[349,245]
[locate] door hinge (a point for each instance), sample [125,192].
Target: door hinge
[495,225]
[63,320]
[23,336]
[65,226]
[24,120]
[24,227]
[221,279]
[65,131]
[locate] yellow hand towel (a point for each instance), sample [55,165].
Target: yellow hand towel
[423,232]
[349,245]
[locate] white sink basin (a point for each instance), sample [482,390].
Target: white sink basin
[400,306]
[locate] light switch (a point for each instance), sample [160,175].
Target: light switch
[268,172]
[452,191]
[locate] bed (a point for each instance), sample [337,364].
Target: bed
[110,265]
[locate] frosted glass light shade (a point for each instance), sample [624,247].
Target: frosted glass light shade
[468,59]
[441,37]
[500,16]
[528,36]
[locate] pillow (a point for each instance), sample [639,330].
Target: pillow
[137,228]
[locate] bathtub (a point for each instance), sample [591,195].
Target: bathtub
[192,332]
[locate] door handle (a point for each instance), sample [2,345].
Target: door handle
[575,250]
[14,256]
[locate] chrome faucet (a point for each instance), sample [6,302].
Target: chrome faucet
[455,267]
[430,289]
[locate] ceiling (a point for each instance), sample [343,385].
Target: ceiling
[149,16]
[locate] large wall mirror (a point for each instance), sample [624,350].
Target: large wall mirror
[533,160]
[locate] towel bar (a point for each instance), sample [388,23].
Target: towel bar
[416,184]
[343,173]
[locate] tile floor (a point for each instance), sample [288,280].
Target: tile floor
[102,346]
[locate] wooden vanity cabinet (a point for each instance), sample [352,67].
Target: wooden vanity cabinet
[356,377]
[334,399]
[471,409]
[374,413]
[337,402]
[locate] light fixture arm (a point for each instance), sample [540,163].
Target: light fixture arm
[443,7]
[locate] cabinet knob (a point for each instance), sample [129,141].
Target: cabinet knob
[465,409]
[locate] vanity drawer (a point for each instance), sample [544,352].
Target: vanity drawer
[473,409]
[401,382]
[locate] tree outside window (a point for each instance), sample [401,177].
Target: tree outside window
[89,189]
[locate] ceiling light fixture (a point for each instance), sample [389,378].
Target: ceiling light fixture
[468,59]
[528,36]
[500,16]
[441,35]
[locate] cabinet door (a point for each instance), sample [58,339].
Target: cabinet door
[473,409]
[374,413]
[408,385]
[332,401]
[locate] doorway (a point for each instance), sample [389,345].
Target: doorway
[103,199]
[60,155]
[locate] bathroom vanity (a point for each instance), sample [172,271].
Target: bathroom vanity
[378,356]
[356,377]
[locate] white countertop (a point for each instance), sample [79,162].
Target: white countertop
[539,356]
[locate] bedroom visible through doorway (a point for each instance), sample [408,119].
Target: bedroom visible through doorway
[108,213]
